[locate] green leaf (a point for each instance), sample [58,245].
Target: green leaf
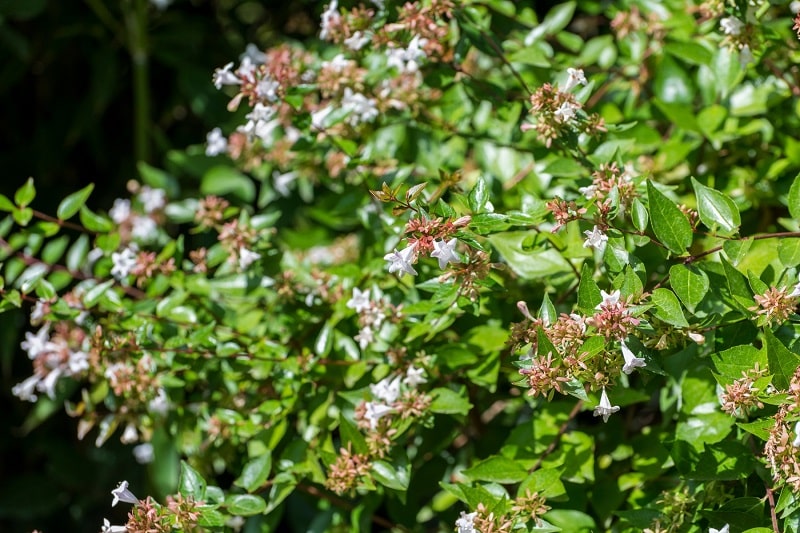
[547,311]
[758,286]
[639,215]
[534,263]
[73,203]
[717,211]
[245,504]
[589,295]
[498,469]
[789,252]
[210,518]
[446,401]
[191,483]
[351,435]
[668,308]
[742,297]
[668,222]
[546,481]
[737,250]
[478,196]
[558,17]
[94,294]
[689,283]
[25,194]
[94,222]
[255,472]
[793,198]
[222,180]
[386,475]
[782,362]
[6,204]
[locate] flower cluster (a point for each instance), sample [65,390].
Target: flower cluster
[558,112]
[147,516]
[741,396]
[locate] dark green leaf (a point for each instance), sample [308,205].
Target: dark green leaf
[668,308]
[447,401]
[717,211]
[191,483]
[245,504]
[498,469]
[255,472]
[782,362]
[690,284]
[73,203]
[668,222]
[386,475]
[793,198]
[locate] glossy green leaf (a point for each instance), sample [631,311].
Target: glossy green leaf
[639,215]
[224,180]
[191,483]
[736,250]
[498,469]
[255,472]
[73,203]
[210,518]
[245,504]
[782,362]
[789,252]
[6,204]
[94,222]
[447,401]
[690,283]
[668,308]
[533,263]
[25,194]
[717,211]
[386,474]
[589,295]
[668,222]
[793,199]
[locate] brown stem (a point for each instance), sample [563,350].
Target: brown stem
[773,515]
[62,223]
[790,234]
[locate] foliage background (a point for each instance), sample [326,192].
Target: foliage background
[67,104]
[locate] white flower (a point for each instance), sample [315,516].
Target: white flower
[120,211]
[108,528]
[268,88]
[375,411]
[216,143]
[731,26]
[414,377]
[725,529]
[36,344]
[746,56]
[281,182]
[330,17]
[160,404]
[78,362]
[589,192]
[574,77]
[608,298]
[466,524]
[123,263]
[605,409]
[444,252]
[318,117]
[25,390]
[247,257]
[566,112]
[401,261]
[379,4]
[794,7]
[357,40]
[796,441]
[796,291]
[361,109]
[631,361]
[122,494]
[387,389]
[359,301]
[130,435]
[152,199]
[48,384]
[224,76]
[254,54]
[144,229]
[161,4]
[365,337]
[143,453]
[407,59]
[595,238]
[338,63]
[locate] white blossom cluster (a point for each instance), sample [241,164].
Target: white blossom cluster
[387,391]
